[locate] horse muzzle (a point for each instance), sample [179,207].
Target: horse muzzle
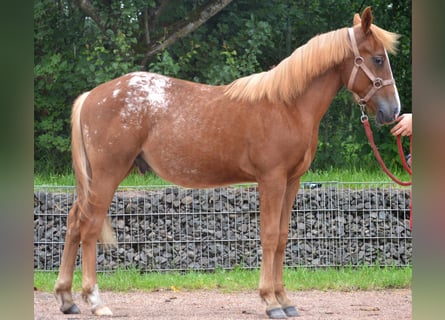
[387,113]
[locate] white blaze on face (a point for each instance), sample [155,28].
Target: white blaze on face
[395,87]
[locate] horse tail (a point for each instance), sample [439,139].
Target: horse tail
[80,158]
[82,170]
[107,236]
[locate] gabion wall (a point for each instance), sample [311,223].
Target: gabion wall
[171,228]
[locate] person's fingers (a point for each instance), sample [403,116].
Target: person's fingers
[395,129]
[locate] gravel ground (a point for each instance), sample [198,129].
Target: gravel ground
[216,305]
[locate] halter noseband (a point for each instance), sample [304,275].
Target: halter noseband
[359,63]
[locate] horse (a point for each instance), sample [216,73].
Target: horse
[262,128]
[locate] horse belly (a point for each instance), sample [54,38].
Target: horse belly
[197,168]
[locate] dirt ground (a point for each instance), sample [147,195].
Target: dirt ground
[216,305]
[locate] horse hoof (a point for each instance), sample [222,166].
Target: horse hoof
[291,311]
[276,313]
[72,310]
[102,311]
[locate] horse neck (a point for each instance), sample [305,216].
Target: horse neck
[319,95]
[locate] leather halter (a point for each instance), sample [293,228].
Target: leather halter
[359,63]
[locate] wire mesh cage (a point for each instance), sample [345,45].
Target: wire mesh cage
[172,228]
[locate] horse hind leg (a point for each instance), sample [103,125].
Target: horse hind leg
[102,189]
[88,230]
[63,286]
[90,289]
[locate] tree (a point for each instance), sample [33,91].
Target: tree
[80,44]
[148,16]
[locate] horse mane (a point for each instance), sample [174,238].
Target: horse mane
[389,40]
[292,75]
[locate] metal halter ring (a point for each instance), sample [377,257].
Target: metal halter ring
[378,83]
[358,61]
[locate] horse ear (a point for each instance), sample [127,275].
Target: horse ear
[366,20]
[357,19]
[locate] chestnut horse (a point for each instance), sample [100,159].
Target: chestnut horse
[261,128]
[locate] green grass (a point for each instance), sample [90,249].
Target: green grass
[352,175]
[135,179]
[68,179]
[343,279]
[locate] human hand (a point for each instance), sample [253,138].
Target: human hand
[404,126]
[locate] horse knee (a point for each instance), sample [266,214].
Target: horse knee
[282,240]
[269,240]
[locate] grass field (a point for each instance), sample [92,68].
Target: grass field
[135,179]
[345,279]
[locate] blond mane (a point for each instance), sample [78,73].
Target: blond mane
[292,75]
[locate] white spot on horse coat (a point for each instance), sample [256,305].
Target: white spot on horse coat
[116,92]
[86,133]
[94,297]
[146,93]
[151,87]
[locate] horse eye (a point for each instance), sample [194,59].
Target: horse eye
[378,60]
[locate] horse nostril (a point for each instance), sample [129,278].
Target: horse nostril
[381,113]
[380,116]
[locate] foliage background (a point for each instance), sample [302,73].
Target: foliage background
[74,53]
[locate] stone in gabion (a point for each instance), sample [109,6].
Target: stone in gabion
[185,229]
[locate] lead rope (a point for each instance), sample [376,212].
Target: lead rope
[368,131]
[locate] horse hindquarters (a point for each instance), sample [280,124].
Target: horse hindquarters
[98,174]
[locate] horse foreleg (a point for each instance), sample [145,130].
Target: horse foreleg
[271,200]
[62,288]
[280,292]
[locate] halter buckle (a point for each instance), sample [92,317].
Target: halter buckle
[358,61]
[362,103]
[378,83]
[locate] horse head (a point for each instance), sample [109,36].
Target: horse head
[368,74]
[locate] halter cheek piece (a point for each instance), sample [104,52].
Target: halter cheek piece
[359,63]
